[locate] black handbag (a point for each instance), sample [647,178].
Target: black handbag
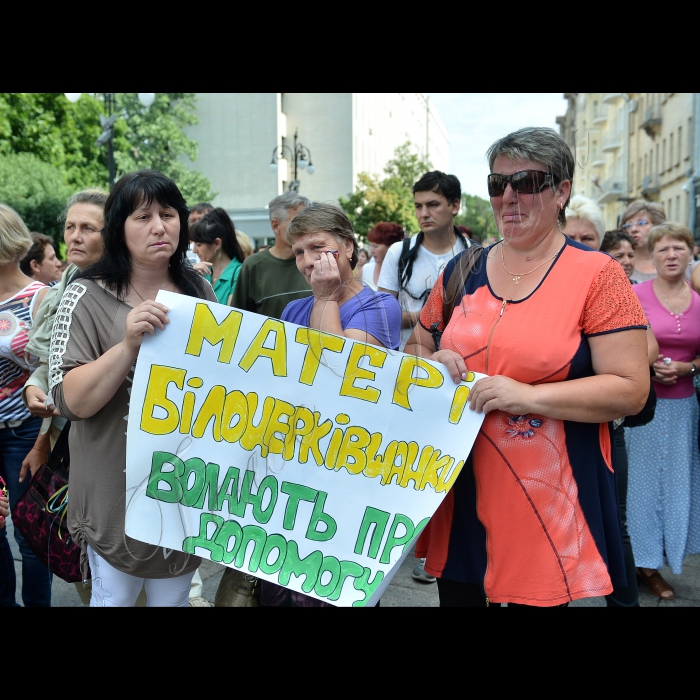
[646,415]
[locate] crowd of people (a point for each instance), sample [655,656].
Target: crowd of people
[585,475]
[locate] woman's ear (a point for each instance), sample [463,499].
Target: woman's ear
[34,266]
[349,248]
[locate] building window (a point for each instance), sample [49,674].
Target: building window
[678,208]
[680,144]
[670,152]
[689,132]
[631,178]
[669,209]
[646,172]
[663,156]
[657,158]
[640,172]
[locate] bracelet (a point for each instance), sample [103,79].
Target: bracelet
[693,370]
[38,450]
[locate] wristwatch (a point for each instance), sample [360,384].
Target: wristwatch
[693,370]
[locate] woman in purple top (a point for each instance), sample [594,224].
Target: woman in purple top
[663,501]
[326,251]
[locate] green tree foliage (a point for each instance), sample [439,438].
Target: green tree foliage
[387,199]
[63,134]
[477,214]
[35,190]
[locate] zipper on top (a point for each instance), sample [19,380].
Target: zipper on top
[488,345]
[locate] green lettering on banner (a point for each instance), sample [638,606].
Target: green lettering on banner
[392,540]
[279,543]
[318,516]
[216,551]
[308,567]
[228,530]
[295,493]
[172,478]
[190,494]
[228,494]
[329,566]
[362,583]
[378,518]
[211,482]
[348,569]
[255,534]
[263,515]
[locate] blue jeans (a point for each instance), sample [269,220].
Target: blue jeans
[15,444]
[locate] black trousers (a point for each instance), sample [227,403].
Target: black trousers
[624,596]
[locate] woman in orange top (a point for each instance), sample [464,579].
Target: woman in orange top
[533,518]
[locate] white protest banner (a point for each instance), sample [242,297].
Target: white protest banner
[306,459]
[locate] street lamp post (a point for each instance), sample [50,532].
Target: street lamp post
[300,156]
[107,123]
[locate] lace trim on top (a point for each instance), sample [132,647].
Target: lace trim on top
[611,303]
[61,331]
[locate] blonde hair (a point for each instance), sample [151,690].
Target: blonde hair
[656,211]
[581,207]
[672,230]
[15,239]
[245,243]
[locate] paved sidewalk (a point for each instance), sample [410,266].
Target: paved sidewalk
[403,591]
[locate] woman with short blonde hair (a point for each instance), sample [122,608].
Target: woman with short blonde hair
[584,222]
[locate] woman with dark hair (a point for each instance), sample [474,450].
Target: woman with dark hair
[41,263]
[621,246]
[219,251]
[380,238]
[97,334]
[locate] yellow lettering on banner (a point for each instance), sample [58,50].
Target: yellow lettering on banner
[353,372]
[406,379]
[459,400]
[309,443]
[416,475]
[407,453]
[277,354]
[206,327]
[234,405]
[188,405]
[375,463]
[275,444]
[333,448]
[435,465]
[317,342]
[255,434]
[212,409]
[355,440]
[156,397]
[302,424]
[447,477]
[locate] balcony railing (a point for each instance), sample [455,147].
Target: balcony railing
[612,97]
[652,120]
[611,189]
[651,185]
[600,116]
[612,140]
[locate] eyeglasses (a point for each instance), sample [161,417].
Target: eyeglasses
[640,222]
[524,182]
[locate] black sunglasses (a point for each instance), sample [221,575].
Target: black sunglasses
[524,182]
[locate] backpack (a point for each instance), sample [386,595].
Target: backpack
[453,287]
[408,255]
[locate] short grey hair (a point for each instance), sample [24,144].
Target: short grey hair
[541,145]
[581,207]
[92,196]
[281,205]
[656,211]
[326,217]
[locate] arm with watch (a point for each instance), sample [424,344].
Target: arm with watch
[668,371]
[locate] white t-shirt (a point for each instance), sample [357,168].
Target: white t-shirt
[368,274]
[426,269]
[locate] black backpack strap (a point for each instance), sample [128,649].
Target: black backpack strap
[408,255]
[454,281]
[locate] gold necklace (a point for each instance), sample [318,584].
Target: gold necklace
[140,297]
[668,306]
[516,278]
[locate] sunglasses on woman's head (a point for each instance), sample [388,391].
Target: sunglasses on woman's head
[640,222]
[524,182]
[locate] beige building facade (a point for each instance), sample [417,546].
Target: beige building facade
[345,134]
[630,146]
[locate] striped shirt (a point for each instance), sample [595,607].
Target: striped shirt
[15,321]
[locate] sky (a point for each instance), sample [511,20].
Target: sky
[475,120]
